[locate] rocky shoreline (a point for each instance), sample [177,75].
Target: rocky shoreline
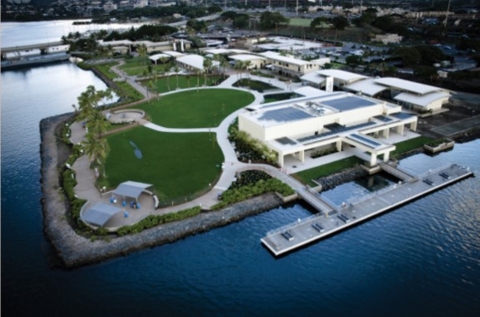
[75,250]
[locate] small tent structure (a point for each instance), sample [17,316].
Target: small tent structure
[99,214]
[131,189]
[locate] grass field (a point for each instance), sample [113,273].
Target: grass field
[180,165]
[409,145]
[191,109]
[170,83]
[136,66]
[325,170]
[300,22]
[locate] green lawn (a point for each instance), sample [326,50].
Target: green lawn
[136,66]
[334,167]
[196,109]
[165,84]
[178,164]
[325,170]
[300,22]
[409,145]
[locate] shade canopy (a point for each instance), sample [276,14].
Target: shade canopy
[99,214]
[131,189]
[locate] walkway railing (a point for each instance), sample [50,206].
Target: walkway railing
[293,224]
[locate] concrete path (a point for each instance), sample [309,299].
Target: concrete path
[85,188]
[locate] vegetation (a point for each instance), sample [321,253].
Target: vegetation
[251,150]
[409,145]
[173,82]
[270,20]
[259,86]
[191,109]
[155,220]
[325,170]
[436,143]
[181,166]
[323,152]
[234,195]
[278,97]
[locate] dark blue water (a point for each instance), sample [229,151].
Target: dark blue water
[422,259]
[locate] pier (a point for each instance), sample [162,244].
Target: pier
[331,220]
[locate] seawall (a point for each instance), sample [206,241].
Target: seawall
[75,250]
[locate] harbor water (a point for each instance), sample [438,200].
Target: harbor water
[421,259]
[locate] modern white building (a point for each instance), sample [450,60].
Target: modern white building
[193,62]
[289,66]
[256,62]
[296,128]
[411,95]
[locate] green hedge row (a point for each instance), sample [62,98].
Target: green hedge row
[234,195]
[155,220]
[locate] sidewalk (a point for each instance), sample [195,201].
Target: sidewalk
[86,189]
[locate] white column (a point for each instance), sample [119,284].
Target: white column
[386,156]
[181,45]
[413,126]
[339,145]
[400,129]
[373,159]
[386,133]
[280,159]
[302,156]
[174,46]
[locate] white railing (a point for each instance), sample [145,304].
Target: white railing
[434,171]
[293,224]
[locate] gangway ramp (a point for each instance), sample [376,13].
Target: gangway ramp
[398,173]
[314,200]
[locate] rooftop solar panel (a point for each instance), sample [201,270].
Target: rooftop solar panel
[364,140]
[383,118]
[348,103]
[285,115]
[402,115]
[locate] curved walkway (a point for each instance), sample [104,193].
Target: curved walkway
[231,166]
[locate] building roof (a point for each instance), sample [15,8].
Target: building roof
[156,57]
[313,77]
[367,87]
[285,44]
[423,100]
[99,214]
[193,60]
[341,75]
[216,51]
[174,53]
[308,91]
[348,103]
[131,189]
[407,85]
[246,57]
[285,59]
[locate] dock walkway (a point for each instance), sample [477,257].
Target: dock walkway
[304,231]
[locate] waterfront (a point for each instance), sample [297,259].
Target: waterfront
[386,266]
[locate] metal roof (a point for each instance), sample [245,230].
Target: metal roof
[285,115]
[367,87]
[131,189]
[423,100]
[407,85]
[99,214]
[308,91]
[341,75]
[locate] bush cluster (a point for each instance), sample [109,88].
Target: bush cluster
[249,178]
[436,143]
[69,182]
[234,195]
[323,152]
[155,220]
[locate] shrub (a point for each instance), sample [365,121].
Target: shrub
[155,220]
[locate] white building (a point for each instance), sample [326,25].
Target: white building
[296,128]
[289,66]
[193,62]
[407,93]
[256,62]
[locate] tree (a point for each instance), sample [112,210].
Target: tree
[176,70]
[97,124]
[142,51]
[238,67]
[340,23]
[270,20]
[353,60]
[207,65]
[409,55]
[89,99]
[95,148]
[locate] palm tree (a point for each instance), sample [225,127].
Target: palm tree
[238,67]
[176,70]
[207,64]
[97,125]
[95,148]
[142,51]
[188,80]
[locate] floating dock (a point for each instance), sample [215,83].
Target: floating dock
[332,219]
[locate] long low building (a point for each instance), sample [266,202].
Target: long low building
[411,95]
[303,126]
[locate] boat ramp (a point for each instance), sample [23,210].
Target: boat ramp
[331,218]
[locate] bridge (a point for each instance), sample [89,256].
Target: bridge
[43,47]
